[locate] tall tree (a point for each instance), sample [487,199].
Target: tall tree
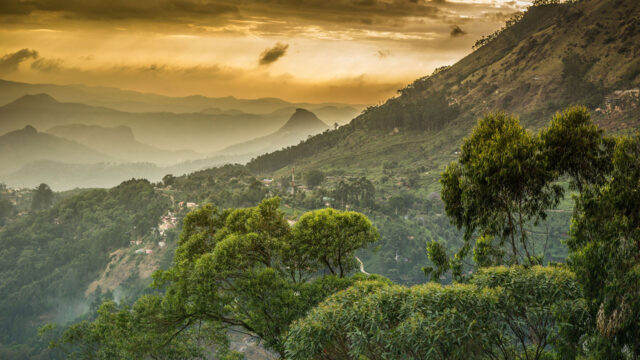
[605,254]
[42,197]
[313,178]
[499,184]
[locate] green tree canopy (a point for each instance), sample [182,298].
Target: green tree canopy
[605,253]
[505,313]
[499,184]
[242,270]
[506,179]
[42,197]
[313,178]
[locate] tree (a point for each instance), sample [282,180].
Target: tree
[168,180]
[505,313]
[313,178]
[358,192]
[605,254]
[42,198]
[499,184]
[574,146]
[237,270]
[331,237]
[6,210]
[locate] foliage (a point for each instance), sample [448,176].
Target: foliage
[605,249]
[47,259]
[239,270]
[314,178]
[506,180]
[42,198]
[7,209]
[482,320]
[331,238]
[574,146]
[541,308]
[355,192]
[499,184]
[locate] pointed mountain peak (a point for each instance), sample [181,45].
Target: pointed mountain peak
[304,120]
[29,130]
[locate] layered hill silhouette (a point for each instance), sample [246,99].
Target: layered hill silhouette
[196,131]
[300,125]
[137,102]
[119,142]
[554,56]
[28,145]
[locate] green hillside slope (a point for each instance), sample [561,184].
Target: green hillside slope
[553,57]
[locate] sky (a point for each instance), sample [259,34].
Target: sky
[347,51]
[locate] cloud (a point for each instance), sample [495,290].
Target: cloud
[269,56]
[203,11]
[46,65]
[11,61]
[381,54]
[457,31]
[168,10]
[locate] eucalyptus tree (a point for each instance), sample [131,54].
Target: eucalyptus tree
[605,254]
[503,313]
[507,178]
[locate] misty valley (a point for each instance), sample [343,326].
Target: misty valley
[244,180]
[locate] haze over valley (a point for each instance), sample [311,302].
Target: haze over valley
[320,179]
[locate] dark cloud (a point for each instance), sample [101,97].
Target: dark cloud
[271,55]
[11,61]
[457,31]
[201,11]
[46,65]
[169,10]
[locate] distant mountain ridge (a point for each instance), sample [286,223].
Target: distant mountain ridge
[301,124]
[27,145]
[137,102]
[120,142]
[196,131]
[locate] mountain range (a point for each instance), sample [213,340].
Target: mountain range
[28,145]
[120,143]
[81,155]
[137,102]
[302,124]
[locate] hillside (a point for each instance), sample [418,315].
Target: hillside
[554,56]
[385,163]
[300,125]
[27,145]
[119,142]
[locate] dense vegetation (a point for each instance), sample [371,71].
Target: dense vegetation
[238,270]
[50,256]
[247,270]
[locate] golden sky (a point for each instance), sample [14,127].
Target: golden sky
[350,51]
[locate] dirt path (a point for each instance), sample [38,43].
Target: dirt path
[362,266]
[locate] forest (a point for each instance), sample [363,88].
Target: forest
[297,289]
